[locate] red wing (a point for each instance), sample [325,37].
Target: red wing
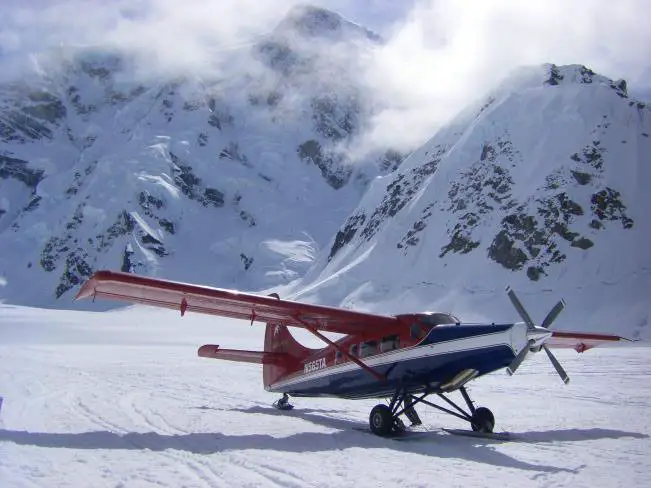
[229,303]
[581,341]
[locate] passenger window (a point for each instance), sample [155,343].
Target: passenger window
[368,348]
[389,343]
[353,350]
[338,357]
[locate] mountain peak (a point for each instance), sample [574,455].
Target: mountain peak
[555,76]
[578,73]
[316,22]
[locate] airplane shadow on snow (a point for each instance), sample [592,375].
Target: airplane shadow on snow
[348,434]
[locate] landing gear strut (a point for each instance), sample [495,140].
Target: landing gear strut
[283,403]
[384,419]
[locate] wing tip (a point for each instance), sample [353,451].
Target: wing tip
[88,288]
[207,350]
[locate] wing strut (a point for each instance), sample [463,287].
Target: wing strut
[313,330]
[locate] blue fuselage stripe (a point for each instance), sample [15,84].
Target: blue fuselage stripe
[445,352]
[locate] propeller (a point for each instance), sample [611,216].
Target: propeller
[515,364]
[537,335]
[559,369]
[553,313]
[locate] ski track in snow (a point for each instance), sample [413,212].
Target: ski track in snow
[129,413]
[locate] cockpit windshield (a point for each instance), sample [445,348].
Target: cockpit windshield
[437,318]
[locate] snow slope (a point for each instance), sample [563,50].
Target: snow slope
[119,399]
[543,186]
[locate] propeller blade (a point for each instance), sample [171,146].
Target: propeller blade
[518,306]
[559,369]
[553,313]
[515,364]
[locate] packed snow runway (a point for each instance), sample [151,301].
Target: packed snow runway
[119,399]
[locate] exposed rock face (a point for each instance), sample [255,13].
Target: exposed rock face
[333,166]
[19,170]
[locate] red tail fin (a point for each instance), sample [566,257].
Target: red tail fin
[277,339]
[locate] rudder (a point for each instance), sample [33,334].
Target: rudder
[278,339]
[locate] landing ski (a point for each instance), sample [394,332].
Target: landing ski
[412,435]
[498,436]
[397,436]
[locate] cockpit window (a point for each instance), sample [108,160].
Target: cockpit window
[368,348]
[438,318]
[338,357]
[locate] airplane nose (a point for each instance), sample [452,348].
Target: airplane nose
[538,336]
[522,335]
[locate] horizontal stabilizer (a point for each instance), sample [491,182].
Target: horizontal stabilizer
[256,357]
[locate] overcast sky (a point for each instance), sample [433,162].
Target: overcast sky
[439,53]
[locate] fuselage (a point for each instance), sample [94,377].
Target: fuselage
[424,356]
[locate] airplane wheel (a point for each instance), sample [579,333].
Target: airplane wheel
[381,420]
[482,420]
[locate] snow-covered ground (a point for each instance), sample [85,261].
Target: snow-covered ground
[119,399]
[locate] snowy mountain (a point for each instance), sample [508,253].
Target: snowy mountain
[245,180]
[543,186]
[210,180]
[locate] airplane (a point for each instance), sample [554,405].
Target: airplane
[405,358]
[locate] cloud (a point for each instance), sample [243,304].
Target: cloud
[164,36]
[450,52]
[439,55]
